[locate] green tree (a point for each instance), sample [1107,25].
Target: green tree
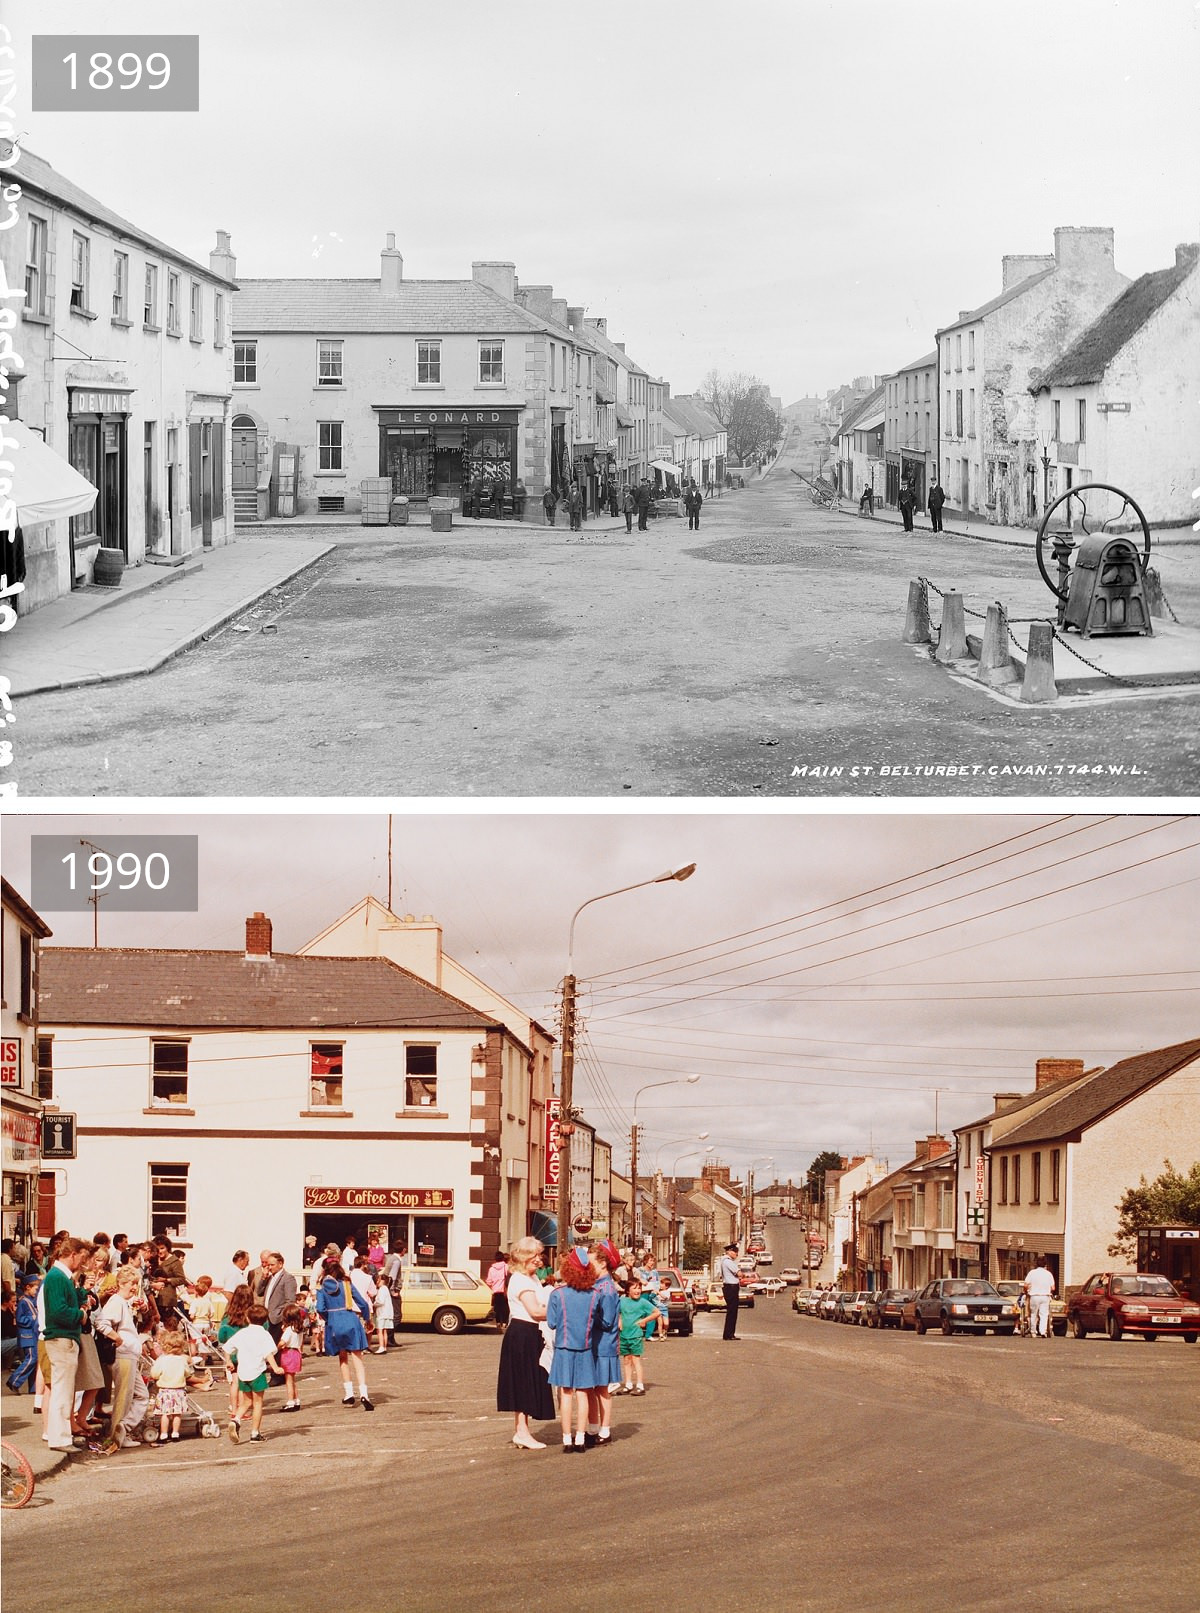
[825,1161]
[696,1252]
[1169,1200]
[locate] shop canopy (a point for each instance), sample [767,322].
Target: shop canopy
[544,1228]
[667,468]
[44,486]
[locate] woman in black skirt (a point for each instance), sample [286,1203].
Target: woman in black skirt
[522,1386]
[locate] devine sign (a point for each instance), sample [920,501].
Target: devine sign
[378,1198]
[99,402]
[448,417]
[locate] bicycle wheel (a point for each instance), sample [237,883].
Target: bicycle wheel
[16,1478]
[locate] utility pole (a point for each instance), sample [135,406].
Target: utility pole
[565,1126]
[634,1137]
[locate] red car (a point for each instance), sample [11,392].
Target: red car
[1116,1302]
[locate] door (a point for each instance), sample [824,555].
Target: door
[964,502]
[206,484]
[113,534]
[151,522]
[245,457]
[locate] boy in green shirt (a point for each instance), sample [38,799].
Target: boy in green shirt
[636,1314]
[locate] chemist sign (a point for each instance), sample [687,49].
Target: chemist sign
[58,1136]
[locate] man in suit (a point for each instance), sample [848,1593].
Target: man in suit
[279,1293]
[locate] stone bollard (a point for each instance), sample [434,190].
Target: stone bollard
[916,625]
[1038,685]
[952,635]
[995,663]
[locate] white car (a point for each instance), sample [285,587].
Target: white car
[768,1285]
[766,1258]
[793,1276]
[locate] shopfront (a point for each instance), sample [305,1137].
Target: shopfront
[22,1144]
[97,422]
[417,1219]
[440,452]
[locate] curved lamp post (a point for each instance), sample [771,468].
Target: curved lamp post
[673,1243]
[567,1079]
[679,1080]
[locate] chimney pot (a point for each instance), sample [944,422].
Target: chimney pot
[391,268]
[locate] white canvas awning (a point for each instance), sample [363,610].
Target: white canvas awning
[667,468]
[44,486]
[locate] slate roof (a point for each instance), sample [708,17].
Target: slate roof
[604,344]
[693,417]
[38,178]
[855,418]
[181,989]
[919,363]
[419,308]
[1090,1099]
[1018,290]
[1095,348]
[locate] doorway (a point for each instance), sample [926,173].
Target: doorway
[245,455]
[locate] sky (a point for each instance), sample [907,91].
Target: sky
[840,981]
[799,189]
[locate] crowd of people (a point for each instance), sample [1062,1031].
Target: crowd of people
[112,1337]
[581,1330]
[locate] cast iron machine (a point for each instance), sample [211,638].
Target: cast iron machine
[1104,592]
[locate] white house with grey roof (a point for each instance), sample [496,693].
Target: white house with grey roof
[1119,406]
[988,446]
[248,1099]
[445,387]
[127,374]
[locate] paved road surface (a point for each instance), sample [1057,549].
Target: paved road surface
[832,1467]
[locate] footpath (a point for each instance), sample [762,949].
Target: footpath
[98,635]
[22,1426]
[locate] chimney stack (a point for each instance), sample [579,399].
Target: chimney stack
[1051,1071]
[221,259]
[499,277]
[258,936]
[391,268]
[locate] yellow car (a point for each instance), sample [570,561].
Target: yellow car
[447,1300]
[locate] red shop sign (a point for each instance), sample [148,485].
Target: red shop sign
[378,1198]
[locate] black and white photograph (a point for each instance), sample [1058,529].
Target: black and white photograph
[466,402]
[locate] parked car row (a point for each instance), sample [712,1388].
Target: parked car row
[1113,1303]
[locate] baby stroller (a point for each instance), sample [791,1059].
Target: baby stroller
[195,1419]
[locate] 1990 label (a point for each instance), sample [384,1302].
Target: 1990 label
[124,873]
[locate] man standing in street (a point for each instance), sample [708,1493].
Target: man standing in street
[906,501]
[64,1319]
[731,1287]
[643,504]
[1039,1285]
[279,1293]
[936,499]
[550,505]
[628,505]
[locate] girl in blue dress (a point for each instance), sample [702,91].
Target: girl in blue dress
[344,1311]
[576,1313]
[605,1260]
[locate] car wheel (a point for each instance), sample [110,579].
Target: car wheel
[448,1320]
[1149,1337]
[1189,1338]
[1076,1328]
[685,1332]
[1112,1325]
[919,1323]
[947,1326]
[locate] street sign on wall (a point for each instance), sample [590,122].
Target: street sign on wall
[58,1136]
[553,1146]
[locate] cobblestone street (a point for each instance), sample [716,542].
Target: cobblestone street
[760,656]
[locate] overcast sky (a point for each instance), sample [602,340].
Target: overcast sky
[805,189]
[942,1006]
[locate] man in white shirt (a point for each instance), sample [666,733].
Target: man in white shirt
[731,1287]
[1039,1285]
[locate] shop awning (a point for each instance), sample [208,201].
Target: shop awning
[544,1228]
[624,418]
[44,486]
[667,467]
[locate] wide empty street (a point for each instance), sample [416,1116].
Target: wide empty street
[758,656]
[807,1465]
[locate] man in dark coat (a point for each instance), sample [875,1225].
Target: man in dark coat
[549,504]
[936,499]
[692,504]
[575,502]
[643,504]
[906,501]
[628,505]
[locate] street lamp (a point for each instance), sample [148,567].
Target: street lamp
[567,1079]
[679,1080]
[673,1242]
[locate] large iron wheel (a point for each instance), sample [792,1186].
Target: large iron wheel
[1078,494]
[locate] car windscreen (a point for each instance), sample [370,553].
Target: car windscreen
[1148,1287]
[962,1287]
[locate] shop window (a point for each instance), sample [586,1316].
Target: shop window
[195,313]
[325,1075]
[420,1077]
[120,300]
[429,363]
[35,267]
[168,1072]
[43,1086]
[245,363]
[81,251]
[329,363]
[491,364]
[329,445]
[150,297]
[168,1201]
[172,303]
